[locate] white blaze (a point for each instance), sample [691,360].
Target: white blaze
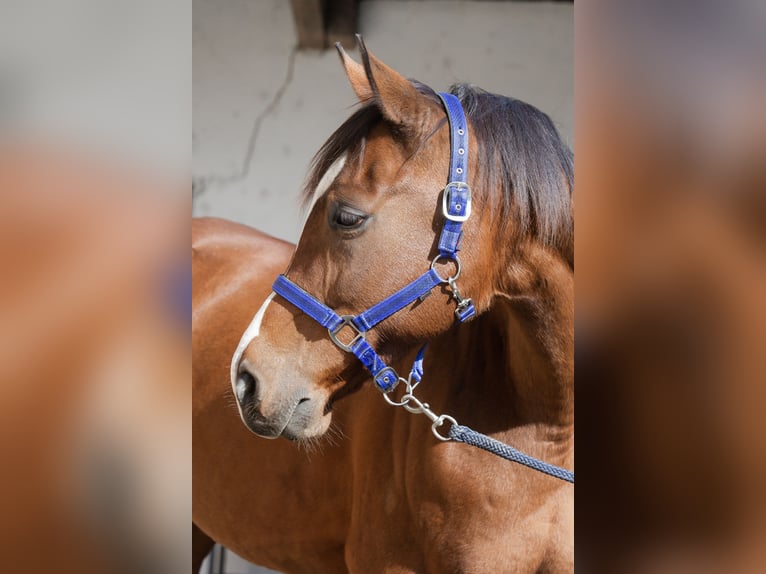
[326,181]
[252,331]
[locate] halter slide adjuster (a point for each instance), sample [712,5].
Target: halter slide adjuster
[387,379]
[346,321]
[461,209]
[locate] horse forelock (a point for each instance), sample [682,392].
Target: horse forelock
[525,171]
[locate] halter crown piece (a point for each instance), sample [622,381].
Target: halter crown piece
[456,206]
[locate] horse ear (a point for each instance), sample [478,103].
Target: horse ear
[356,75]
[397,98]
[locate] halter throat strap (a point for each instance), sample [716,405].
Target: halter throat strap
[456,207]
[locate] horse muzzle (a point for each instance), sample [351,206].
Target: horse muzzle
[291,415]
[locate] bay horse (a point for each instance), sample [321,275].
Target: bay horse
[361,486]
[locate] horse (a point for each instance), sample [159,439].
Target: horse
[360,485]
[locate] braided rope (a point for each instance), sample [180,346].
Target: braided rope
[466,435]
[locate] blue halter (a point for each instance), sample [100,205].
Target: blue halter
[456,206]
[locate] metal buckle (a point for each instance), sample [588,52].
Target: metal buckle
[346,321]
[465,209]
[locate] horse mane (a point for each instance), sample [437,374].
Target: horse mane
[525,168]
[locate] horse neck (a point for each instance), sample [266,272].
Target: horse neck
[517,357]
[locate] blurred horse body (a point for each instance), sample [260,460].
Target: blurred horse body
[94,365]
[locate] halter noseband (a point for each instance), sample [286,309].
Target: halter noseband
[456,206]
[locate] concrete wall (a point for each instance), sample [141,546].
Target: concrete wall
[261,109]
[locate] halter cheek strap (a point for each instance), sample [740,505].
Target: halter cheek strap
[456,207]
[456,200]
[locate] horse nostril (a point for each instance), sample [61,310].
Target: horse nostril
[303,408]
[245,385]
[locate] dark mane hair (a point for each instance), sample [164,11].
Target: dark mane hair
[525,169]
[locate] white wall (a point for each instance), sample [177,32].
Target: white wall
[261,110]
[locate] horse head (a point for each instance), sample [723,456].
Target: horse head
[375,193]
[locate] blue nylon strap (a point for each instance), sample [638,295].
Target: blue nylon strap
[464,314]
[449,241]
[416,374]
[457,197]
[384,376]
[321,313]
[369,318]
[390,305]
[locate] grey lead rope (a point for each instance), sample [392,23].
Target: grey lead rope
[464,434]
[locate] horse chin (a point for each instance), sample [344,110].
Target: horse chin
[296,429]
[307,432]
[261,429]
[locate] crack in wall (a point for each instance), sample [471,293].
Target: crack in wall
[202,183]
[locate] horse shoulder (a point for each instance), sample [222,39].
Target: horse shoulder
[490,515]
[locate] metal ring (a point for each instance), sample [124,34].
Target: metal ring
[439,422]
[456,259]
[406,395]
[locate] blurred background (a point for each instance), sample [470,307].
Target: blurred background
[269,89]
[670,310]
[95,433]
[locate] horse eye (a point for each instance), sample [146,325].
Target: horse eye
[347,218]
